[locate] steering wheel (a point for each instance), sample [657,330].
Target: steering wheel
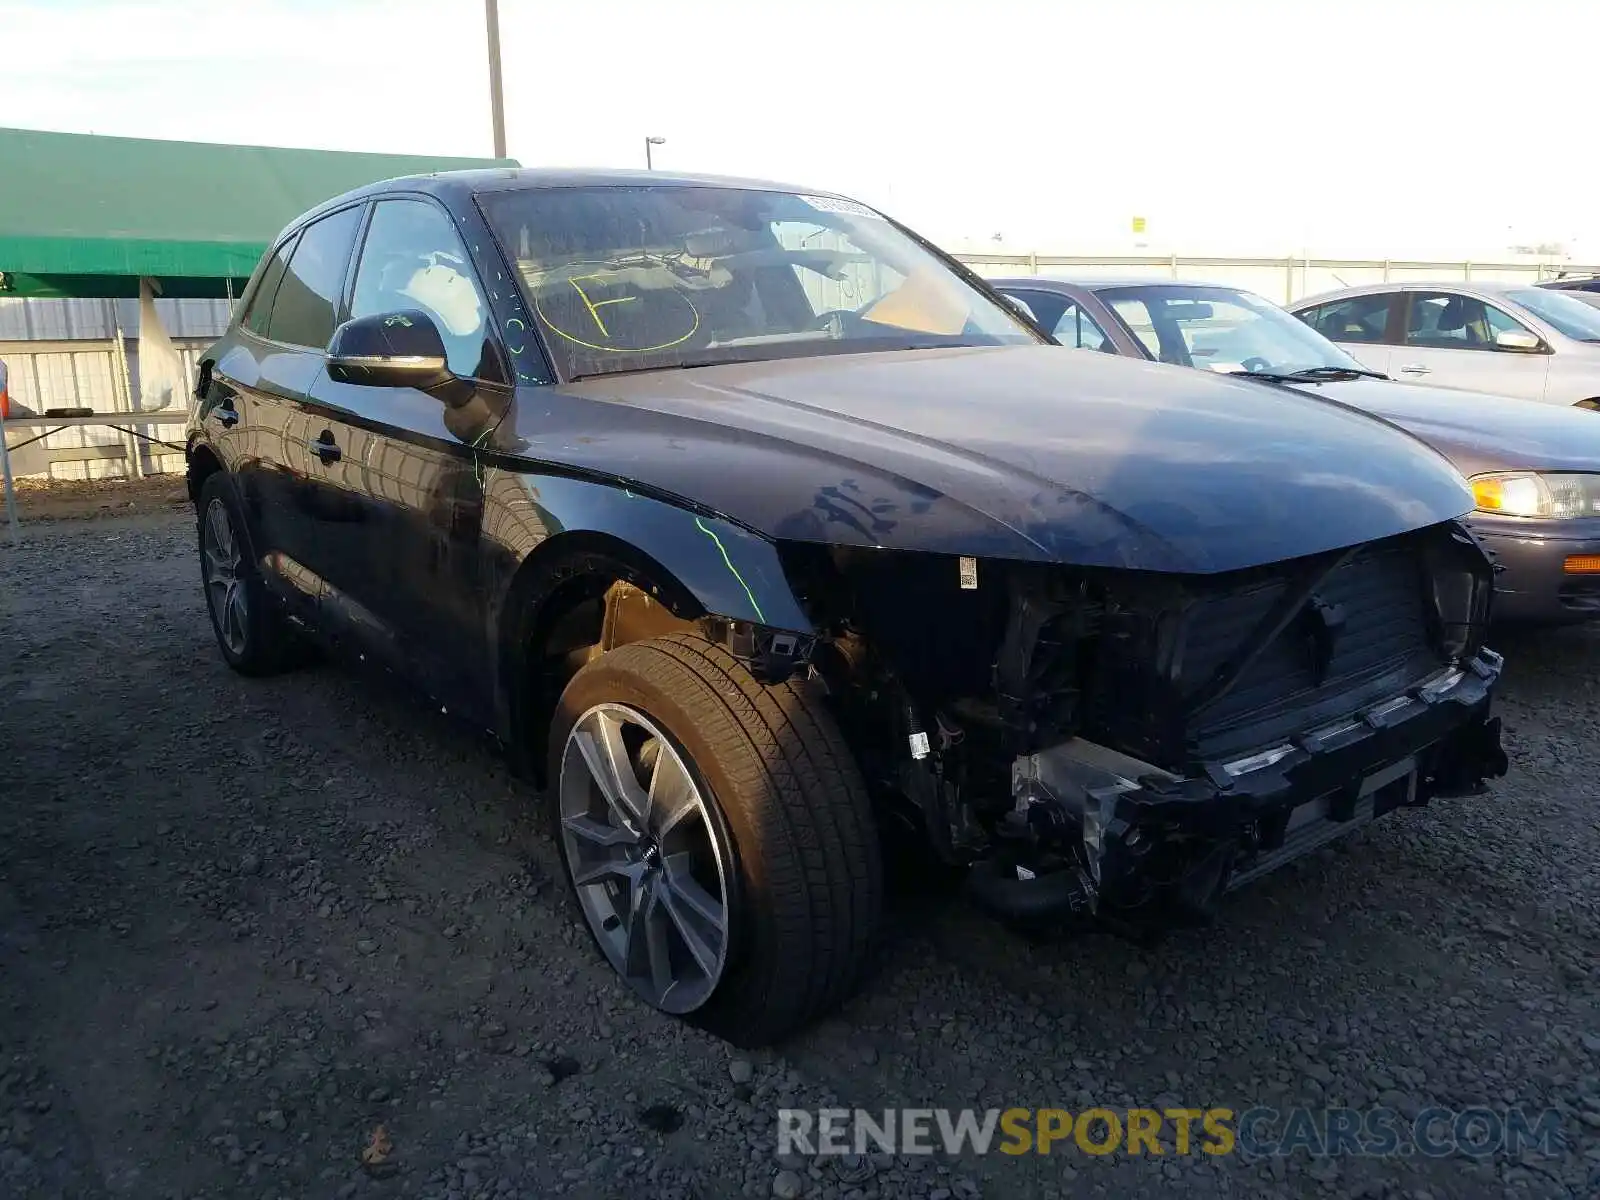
[1256,363]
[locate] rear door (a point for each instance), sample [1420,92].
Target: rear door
[239,412]
[409,478]
[291,346]
[1449,341]
[1362,325]
[260,385]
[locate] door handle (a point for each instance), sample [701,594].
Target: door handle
[1415,369]
[326,448]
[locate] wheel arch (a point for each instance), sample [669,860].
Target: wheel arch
[709,575]
[203,463]
[1592,403]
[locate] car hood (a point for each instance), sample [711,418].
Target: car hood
[1025,452]
[1477,431]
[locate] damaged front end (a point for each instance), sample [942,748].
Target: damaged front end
[1095,831]
[1137,745]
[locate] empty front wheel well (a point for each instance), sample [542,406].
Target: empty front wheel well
[576,596]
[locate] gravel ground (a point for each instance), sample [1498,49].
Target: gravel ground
[75,499]
[243,924]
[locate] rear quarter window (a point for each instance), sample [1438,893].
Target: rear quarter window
[258,310]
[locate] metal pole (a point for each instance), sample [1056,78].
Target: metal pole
[497,104]
[123,384]
[648,166]
[11,493]
[5,454]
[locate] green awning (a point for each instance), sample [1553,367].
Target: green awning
[82,215]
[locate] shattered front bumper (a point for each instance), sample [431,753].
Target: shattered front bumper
[1104,833]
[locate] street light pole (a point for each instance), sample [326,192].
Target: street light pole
[497,105]
[648,142]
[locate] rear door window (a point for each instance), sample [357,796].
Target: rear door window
[1079,330]
[1354,319]
[1046,307]
[306,307]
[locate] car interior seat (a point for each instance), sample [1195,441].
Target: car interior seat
[1453,324]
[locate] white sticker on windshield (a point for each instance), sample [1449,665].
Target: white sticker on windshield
[835,204]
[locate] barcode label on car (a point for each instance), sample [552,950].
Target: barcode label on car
[835,204]
[969,574]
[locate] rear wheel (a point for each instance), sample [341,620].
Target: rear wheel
[717,836]
[252,632]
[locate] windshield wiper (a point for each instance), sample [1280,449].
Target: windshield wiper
[1312,375]
[677,366]
[775,352]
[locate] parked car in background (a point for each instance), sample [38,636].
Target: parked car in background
[772,533]
[1579,285]
[1512,339]
[1534,468]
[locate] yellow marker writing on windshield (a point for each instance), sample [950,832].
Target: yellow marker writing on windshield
[594,306]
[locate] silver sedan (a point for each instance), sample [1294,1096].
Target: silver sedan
[1511,339]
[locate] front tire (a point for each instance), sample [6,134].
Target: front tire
[251,631]
[717,835]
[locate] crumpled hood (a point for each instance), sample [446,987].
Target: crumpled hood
[1477,431]
[1028,452]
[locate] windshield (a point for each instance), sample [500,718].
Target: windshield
[1567,313]
[640,278]
[1221,329]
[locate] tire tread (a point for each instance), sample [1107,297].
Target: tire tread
[812,836]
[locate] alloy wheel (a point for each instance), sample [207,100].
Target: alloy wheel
[219,565]
[649,865]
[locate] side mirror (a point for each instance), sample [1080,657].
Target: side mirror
[1518,340]
[397,349]
[1022,306]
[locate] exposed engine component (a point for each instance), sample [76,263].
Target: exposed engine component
[1144,743]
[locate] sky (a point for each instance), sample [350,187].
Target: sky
[1404,128]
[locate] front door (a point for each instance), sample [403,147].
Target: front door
[409,475]
[1449,341]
